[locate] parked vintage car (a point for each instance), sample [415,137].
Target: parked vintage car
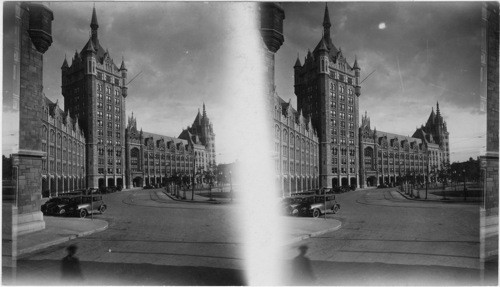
[291,205]
[318,205]
[51,207]
[84,205]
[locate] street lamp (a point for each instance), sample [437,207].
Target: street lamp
[194,166]
[231,185]
[465,188]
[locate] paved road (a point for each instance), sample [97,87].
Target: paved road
[386,239]
[151,240]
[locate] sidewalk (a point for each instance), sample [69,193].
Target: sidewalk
[198,198]
[57,230]
[438,198]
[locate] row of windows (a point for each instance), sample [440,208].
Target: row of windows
[110,170]
[290,167]
[66,168]
[61,140]
[343,170]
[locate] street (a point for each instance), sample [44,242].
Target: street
[151,240]
[384,239]
[388,240]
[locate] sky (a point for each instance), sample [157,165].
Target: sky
[421,53]
[178,50]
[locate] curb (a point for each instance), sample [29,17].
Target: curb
[314,234]
[435,200]
[58,241]
[194,201]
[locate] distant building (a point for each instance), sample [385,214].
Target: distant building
[153,159]
[388,158]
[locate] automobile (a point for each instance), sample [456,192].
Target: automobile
[51,207]
[84,205]
[148,187]
[318,205]
[382,186]
[291,205]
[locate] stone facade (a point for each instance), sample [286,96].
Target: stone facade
[295,150]
[94,90]
[327,91]
[295,139]
[489,162]
[63,167]
[152,159]
[31,39]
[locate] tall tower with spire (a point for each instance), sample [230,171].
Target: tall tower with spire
[94,90]
[327,90]
[203,129]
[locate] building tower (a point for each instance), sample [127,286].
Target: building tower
[327,90]
[203,129]
[94,91]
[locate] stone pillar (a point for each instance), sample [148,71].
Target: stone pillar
[489,162]
[34,21]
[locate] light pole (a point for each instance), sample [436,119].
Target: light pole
[465,188]
[231,185]
[194,166]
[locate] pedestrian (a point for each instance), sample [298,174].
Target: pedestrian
[70,267]
[302,269]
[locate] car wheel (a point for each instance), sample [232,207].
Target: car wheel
[316,213]
[83,213]
[295,212]
[102,208]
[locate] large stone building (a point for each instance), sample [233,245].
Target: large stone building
[152,159]
[94,90]
[387,158]
[344,153]
[327,91]
[295,139]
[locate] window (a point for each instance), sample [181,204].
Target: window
[342,107]
[108,108]
[99,123]
[108,99]
[109,117]
[99,132]
[117,101]
[99,114]
[99,105]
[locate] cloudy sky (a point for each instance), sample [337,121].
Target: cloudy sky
[179,49]
[421,53]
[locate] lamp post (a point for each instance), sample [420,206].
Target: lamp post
[231,185]
[427,177]
[465,188]
[194,166]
